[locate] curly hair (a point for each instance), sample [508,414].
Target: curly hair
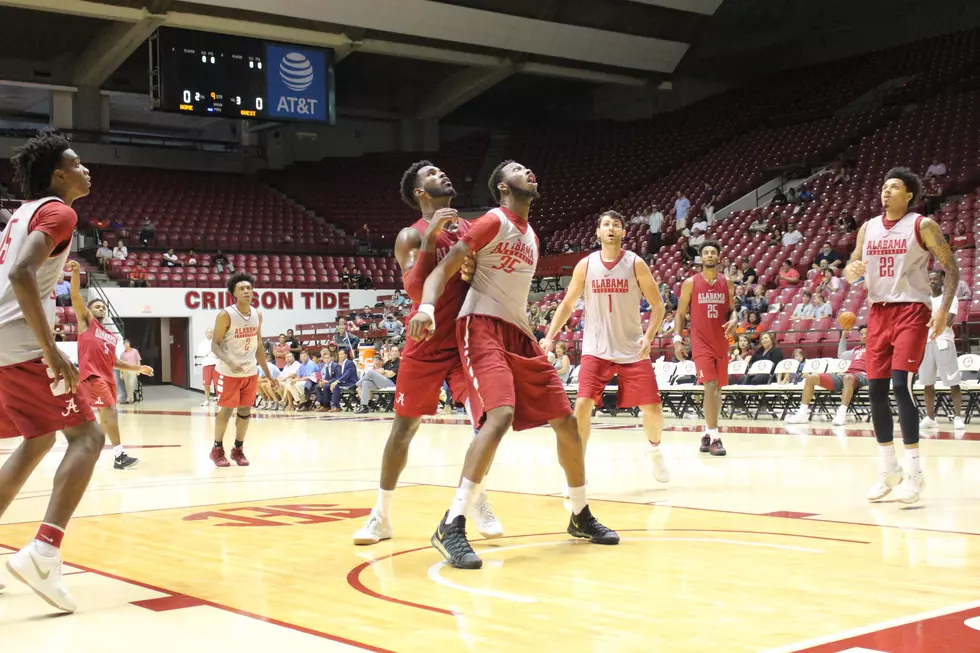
[236,279]
[35,162]
[913,183]
[410,181]
[496,177]
[710,243]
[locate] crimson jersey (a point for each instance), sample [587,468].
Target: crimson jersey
[96,352]
[859,364]
[442,344]
[710,308]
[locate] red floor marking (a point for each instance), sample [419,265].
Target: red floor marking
[108,447]
[943,634]
[168,603]
[789,514]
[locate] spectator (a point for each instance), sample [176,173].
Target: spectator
[788,275]
[670,299]
[932,194]
[381,377]
[400,299]
[709,193]
[775,236]
[147,232]
[171,260]
[757,302]
[846,222]
[779,198]
[759,225]
[768,351]
[963,290]
[562,363]
[682,207]
[937,169]
[280,351]
[829,283]
[191,258]
[345,339]
[828,254]
[821,308]
[804,310]
[130,378]
[329,372]
[962,239]
[797,376]
[221,263]
[346,278]
[62,293]
[749,275]
[745,348]
[346,380]
[268,400]
[792,236]
[294,344]
[309,374]
[751,326]
[392,326]
[805,194]
[656,222]
[289,376]
[138,277]
[120,253]
[702,223]
[104,255]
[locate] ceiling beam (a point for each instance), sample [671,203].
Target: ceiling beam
[459,88]
[111,48]
[565,72]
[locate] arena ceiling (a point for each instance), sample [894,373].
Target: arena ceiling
[395,54]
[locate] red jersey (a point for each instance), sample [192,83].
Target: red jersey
[710,308]
[96,352]
[442,345]
[859,364]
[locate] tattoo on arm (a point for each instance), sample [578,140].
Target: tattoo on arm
[933,238]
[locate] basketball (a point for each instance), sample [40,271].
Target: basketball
[847,320]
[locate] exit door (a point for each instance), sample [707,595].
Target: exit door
[178,351]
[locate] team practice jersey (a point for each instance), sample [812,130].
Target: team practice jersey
[612,309]
[96,352]
[710,307]
[506,251]
[898,261]
[240,342]
[54,218]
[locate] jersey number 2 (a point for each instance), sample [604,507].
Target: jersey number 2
[7,237]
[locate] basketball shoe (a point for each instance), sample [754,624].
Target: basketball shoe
[910,487]
[43,575]
[238,455]
[218,457]
[714,447]
[586,526]
[373,531]
[450,540]
[887,481]
[125,461]
[486,522]
[660,471]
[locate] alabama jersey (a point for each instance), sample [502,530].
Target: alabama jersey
[898,261]
[96,352]
[710,308]
[240,343]
[612,309]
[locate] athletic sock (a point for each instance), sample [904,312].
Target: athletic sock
[888,461]
[239,444]
[48,539]
[219,445]
[117,451]
[912,465]
[713,434]
[383,506]
[655,445]
[465,494]
[577,496]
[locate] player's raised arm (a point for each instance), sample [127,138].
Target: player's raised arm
[82,314]
[435,284]
[567,305]
[650,290]
[856,268]
[932,237]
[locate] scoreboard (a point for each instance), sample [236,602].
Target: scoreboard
[206,74]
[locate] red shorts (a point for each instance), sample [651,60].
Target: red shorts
[637,381]
[27,407]
[897,335]
[506,367]
[711,368]
[209,375]
[236,391]
[419,382]
[99,392]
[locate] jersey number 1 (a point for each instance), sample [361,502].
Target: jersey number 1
[8,236]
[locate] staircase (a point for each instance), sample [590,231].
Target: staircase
[112,323]
[495,154]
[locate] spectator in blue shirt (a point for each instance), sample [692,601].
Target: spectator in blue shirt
[267,396]
[309,374]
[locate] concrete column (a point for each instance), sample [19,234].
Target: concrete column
[87,109]
[62,115]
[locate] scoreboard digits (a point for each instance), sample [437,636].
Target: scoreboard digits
[205,74]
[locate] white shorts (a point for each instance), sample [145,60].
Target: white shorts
[939,364]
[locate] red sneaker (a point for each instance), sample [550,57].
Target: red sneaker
[238,455]
[218,457]
[717,448]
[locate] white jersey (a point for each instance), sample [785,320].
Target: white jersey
[612,309]
[205,354]
[898,261]
[502,278]
[947,334]
[240,342]
[18,343]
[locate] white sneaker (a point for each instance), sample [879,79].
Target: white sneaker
[206,403]
[910,487]
[802,416]
[373,531]
[883,486]
[486,522]
[959,423]
[840,419]
[660,471]
[928,423]
[41,574]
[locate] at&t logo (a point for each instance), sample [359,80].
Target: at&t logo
[297,74]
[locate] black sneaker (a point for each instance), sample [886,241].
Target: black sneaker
[125,461]
[450,540]
[362,410]
[586,526]
[705,443]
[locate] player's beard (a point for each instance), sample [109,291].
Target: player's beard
[523,193]
[441,191]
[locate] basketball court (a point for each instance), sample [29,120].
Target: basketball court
[771,549]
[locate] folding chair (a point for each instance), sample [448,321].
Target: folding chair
[781,396]
[758,398]
[687,392]
[969,365]
[734,400]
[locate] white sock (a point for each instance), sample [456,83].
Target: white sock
[480,490]
[465,494]
[912,465]
[654,445]
[577,496]
[842,409]
[117,451]
[383,506]
[888,462]
[713,434]
[804,407]
[45,549]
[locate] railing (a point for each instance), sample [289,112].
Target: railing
[94,285]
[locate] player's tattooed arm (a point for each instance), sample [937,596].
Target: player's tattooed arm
[935,242]
[856,268]
[82,314]
[567,306]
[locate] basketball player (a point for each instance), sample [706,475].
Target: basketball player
[846,384]
[96,360]
[425,364]
[38,384]
[711,299]
[237,344]
[940,359]
[892,254]
[208,361]
[509,378]
[614,343]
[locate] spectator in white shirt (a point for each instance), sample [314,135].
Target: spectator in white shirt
[792,236]
[937,169]
[288,378]
[759,225]
[170,259]
[104,254]
[804,310]
[656,222]
[682,207]
[120,253]
[392,326]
